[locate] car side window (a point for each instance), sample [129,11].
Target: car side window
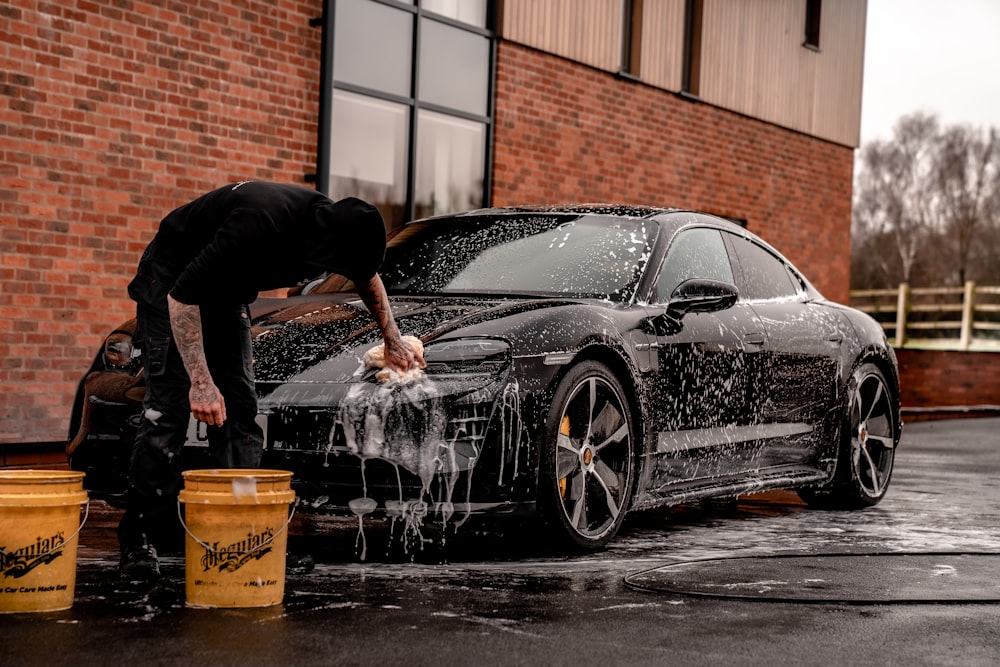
[694,253]
[764,275]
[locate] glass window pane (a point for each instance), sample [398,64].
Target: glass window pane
[454,67]
[368,153]
[466,11]
[450,163]
[695,253]
[764,275]
[373,46]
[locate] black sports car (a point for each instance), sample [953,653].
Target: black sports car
[582,362]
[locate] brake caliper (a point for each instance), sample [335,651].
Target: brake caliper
[563,430]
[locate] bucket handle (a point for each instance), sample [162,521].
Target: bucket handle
[211,549]
[86,515]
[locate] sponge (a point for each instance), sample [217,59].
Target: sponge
[375,358]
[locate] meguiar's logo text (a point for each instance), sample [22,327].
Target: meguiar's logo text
[19,562]
[238,554]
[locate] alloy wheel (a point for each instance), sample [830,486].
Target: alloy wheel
[873,437]
[593,451]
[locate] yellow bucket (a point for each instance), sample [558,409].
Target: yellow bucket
[236,523]
[39,524]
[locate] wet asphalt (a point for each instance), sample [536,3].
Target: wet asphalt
[761,580]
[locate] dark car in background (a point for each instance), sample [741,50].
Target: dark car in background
[582,362]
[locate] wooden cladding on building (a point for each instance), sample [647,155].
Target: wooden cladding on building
[754,62]
[752,55]
[662,61]
[587,31]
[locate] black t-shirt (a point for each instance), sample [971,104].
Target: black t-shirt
[226,246]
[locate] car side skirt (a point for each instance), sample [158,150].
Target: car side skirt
[700,489]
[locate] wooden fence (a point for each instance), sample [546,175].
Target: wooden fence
[940,318]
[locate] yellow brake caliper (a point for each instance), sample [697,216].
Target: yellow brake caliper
[563,430]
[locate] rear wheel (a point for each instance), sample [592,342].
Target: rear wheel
[588,461]
[868,445]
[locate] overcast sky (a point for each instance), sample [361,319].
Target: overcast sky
[935,55]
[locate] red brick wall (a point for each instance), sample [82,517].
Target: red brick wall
[569,133]
[111,114]
[931,378]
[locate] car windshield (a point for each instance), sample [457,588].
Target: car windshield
[545,254]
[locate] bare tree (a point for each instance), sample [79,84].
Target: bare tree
[967,194]
[927,206]
[892,194]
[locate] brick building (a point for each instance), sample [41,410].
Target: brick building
[113,112]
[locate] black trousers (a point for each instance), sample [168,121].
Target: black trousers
[155,466]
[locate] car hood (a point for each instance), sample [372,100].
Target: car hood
[315,341]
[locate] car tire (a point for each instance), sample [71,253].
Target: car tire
[869,435]
[588,461]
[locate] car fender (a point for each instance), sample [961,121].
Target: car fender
[542,362]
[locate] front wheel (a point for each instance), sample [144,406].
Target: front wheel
[868,445]
[588,459]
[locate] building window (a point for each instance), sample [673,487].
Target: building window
[406,106]
[449,165]
[373,46]
[473,12]
[691,83]
[631,36]
[453,67]
[369,152]
[813,11]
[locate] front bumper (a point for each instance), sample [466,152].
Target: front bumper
[446,446]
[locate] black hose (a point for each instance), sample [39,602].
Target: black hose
[629,580]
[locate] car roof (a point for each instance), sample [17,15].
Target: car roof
[634,211]
[673,218]
[619,210]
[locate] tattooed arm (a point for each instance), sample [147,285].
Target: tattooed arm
[207,403]
[398,354]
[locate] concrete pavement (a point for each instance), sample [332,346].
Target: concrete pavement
[797,587]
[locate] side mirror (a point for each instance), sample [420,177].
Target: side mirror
[701,296]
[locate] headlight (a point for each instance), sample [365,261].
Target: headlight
[118,350]
[466,354]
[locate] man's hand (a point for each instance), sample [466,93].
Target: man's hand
[207,404]
[399,356]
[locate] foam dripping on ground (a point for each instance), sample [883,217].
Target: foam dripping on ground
[406,424]
[403,423]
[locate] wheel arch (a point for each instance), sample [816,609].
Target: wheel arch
[846,488]
[885,360]
[623,371]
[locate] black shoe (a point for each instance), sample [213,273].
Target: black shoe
[139,564]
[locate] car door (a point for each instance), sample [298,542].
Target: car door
[801,356]
[704,387]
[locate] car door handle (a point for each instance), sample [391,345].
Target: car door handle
[754,338]
[837,338]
